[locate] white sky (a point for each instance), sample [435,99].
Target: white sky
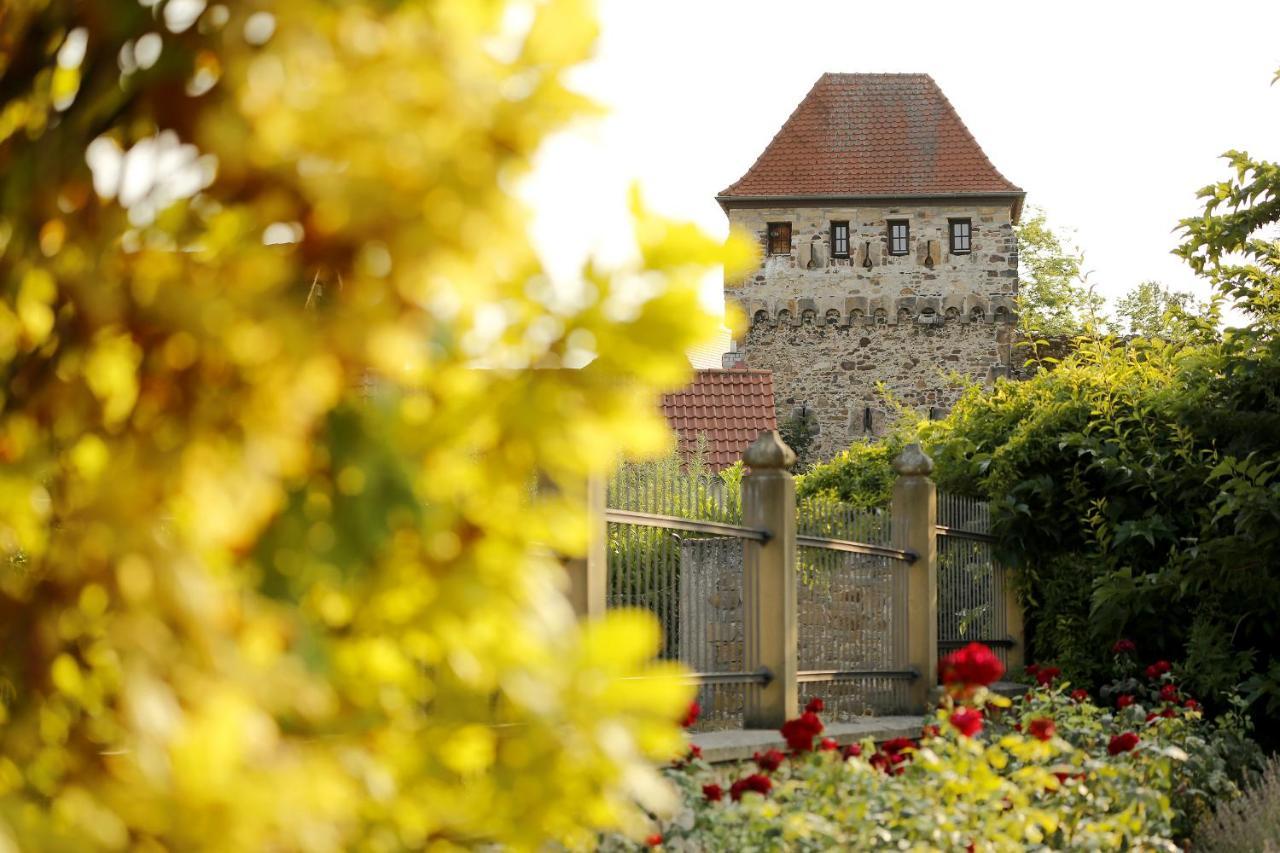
[1110,115]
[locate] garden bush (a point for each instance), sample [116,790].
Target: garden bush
[279,366]
[1050,769]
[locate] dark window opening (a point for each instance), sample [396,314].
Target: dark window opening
[779,238]
[839,239]
[899,233]
[961,232]
[866,419]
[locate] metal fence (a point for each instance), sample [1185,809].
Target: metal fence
[851,606]
[972,591]
[676,548]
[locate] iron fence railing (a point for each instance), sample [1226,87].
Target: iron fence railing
[971,581]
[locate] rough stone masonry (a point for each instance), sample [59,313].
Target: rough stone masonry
[889,269]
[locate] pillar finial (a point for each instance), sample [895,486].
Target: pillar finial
[769,451]
[913,462]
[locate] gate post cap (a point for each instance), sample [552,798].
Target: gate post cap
[769,451]
[913,462]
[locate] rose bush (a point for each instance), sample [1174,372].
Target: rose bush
[1050,769]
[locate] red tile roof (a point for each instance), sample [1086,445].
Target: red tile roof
[881,135]
[730,407]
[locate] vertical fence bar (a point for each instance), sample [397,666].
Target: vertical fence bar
[769,580]
[915,519]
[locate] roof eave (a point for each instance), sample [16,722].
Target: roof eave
[1016,197]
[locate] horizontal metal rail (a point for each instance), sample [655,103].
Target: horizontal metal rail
[856,548]
[1004,644]
[672,522]
[811,676]
[762,676]
[961,533]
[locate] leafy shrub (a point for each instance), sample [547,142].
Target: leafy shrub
[1047,770]
[279,363]
[861,476]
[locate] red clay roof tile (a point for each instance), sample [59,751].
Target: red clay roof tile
[729,407]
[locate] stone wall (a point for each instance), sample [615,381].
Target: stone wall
[831,328]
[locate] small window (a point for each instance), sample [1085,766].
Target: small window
[960,233]
[779,238]
[899,233]
[839,239]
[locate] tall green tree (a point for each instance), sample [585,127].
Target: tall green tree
[1153,310]
[1054,297]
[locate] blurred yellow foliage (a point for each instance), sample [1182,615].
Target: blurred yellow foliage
[280,367]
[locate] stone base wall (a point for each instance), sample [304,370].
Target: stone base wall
[833,369]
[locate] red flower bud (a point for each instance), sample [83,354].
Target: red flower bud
[1079,695]
[1123,647]
[815,706]
[654,840]
[971,666]
[1042,728]
[1124,700]
[712,793]
[1122,743]
[768,761]
[691,715]
[755,782]
[967,721]
[1046,675]
[828,745]
[800,732]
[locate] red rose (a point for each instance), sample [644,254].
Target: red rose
[755,782]
[1042,728]
[1046,676]
[1124,700]
[1079,695]
[1123,647]
[1033,669]
[712,793]
[1157,669]
[768,761]
[853,750]
[1191,705]
[691,715]
[1169,693]
[1168,713]
[880,761]
[897,745]
[828,745]
[967,721]
[1151,716]
[1122,743]
[800,732]
[654,840]
[973,665]
[695,751]
[815,706]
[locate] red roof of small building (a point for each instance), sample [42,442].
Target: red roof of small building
[880,135]
[730,407]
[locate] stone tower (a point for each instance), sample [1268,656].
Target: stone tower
[889,256]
